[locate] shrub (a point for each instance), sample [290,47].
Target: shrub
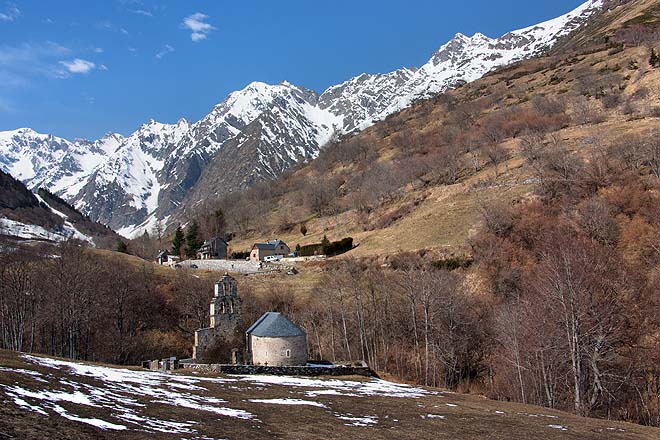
[453,263]
[328,248]
[339,247]
[240,255]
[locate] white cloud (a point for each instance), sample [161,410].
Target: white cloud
[103,67]
[10,13]
[164,51]
[18,64]
[142,12]
[98,50]
[78,66]
[197,23]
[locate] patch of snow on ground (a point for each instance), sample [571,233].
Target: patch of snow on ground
[374,387]
[94,422]
[359,421]
[434,416]
[119,392]
[288,402]
[563,428]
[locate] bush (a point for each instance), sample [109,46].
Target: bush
[451,264]
[240,255]
[330,249]
[339,247]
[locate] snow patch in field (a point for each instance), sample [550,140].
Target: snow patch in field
[120,391]
[20,402]
[90,421]
[192,404]
[288,402]
[167,426]
[359,421]
[327,393]
[434,416]
[374,387]
[561,427]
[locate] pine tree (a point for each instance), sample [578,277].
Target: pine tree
[654,60]
[177,242]
[193,242]
[122,247]
[325,244]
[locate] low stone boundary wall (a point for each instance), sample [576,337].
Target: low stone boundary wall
[236,266]
[338,370]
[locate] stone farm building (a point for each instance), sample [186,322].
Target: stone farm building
[276,341]
[273,247]
[213,249]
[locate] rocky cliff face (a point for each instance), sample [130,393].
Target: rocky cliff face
[130,183]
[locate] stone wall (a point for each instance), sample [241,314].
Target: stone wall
[273,351]
[235,266]
[334,370]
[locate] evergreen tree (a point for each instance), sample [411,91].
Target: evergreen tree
[193,241]
[177,242]
[122,247]
[325,244]
[654,60]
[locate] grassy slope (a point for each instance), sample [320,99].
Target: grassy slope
[465,417]
[450,214]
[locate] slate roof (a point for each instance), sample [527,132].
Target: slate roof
[207,243]
[269,245]
[274,325]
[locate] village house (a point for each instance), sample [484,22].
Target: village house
[213,249]
[274,247]
[276,341]
[165,259]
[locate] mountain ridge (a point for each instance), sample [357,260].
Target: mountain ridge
[132,182]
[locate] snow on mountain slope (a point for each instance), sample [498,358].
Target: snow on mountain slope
[49,161]
[255,133]
[359,100]
[466,59]
[128,183]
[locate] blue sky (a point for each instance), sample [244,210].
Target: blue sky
[83,68]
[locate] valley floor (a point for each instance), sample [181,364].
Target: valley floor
[49,398]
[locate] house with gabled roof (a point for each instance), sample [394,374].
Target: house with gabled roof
[213,249]
[274,247]
[276,341]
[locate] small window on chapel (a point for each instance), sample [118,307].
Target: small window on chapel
[288,353]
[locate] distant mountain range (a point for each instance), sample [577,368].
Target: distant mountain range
[130,183]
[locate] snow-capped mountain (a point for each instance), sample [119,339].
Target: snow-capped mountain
[254,134]
[43,216]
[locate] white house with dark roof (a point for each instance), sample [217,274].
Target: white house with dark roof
[276,341]
[273,247]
